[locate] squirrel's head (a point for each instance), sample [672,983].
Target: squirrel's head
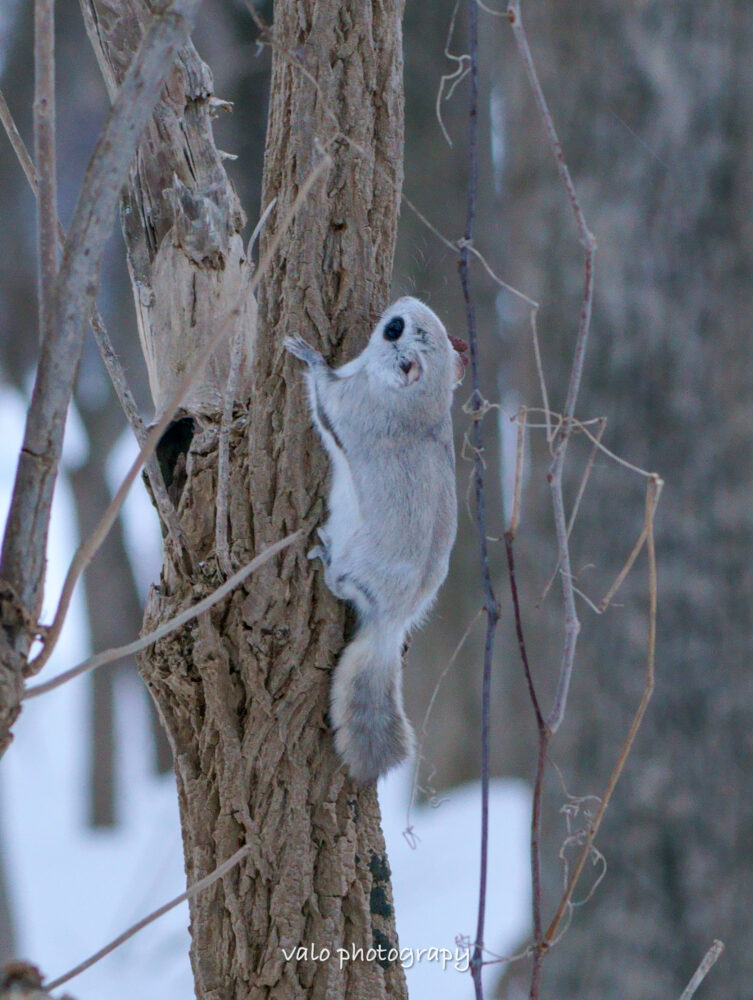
[410,349]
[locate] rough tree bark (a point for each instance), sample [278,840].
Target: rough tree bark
[243,691]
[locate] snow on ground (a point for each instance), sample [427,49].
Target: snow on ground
[435,882]
[73,888]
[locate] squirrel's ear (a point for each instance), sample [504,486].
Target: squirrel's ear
[458,369]
[459,358]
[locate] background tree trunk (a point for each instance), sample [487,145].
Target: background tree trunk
[651,103]
[243,691]
[7,930]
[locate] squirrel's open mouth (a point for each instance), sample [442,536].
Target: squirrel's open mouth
[411,369]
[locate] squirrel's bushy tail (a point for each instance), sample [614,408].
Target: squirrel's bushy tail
[372,733]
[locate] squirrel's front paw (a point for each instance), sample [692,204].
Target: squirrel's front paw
[322,551]
[298,347]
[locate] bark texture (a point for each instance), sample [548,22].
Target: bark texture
[243,691]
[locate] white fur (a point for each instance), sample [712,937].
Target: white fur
[384,418]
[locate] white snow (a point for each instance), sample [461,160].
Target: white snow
[435,882]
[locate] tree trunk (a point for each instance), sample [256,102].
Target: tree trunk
[652,103]
[243,691]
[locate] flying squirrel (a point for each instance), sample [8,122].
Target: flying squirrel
[384,418]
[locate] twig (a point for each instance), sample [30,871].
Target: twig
[596,441]
[584,427]
[653,492]
[19,146]
[110,359]
[703,969]
[520,446]
[607,599]
[44,140]
[194,890]
[588,242]
[259,226]
[477,409]
[543,735]
[462,68]
[90,546]
[540,373]
[120,652]
[165,507]
[425,724]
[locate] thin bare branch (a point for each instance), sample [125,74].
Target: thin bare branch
[425,724]
[520,446]
[165,508]
[596,441]
[19,146]
[120,652]
[194,890]
[462,68]
[44,140]
[653,492]
[514,17]
[543,736]
[477,408]
[259,226]
[90,546]
[607,599]
[24,545]
[588,242]
[586,473]
[540,372]
[709,960]
[572,622]
[583,426]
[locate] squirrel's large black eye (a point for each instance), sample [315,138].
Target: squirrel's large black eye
[394,328]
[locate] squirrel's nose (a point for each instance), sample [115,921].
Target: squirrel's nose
[405,365]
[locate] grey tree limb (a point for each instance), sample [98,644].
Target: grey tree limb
[44,140]
[24,545]
[109,357]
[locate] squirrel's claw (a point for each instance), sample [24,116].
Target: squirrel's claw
[298,347]
[321,551]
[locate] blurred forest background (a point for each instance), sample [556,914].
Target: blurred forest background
[652,103]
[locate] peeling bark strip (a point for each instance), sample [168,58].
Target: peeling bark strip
[181,221]
[243,690]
